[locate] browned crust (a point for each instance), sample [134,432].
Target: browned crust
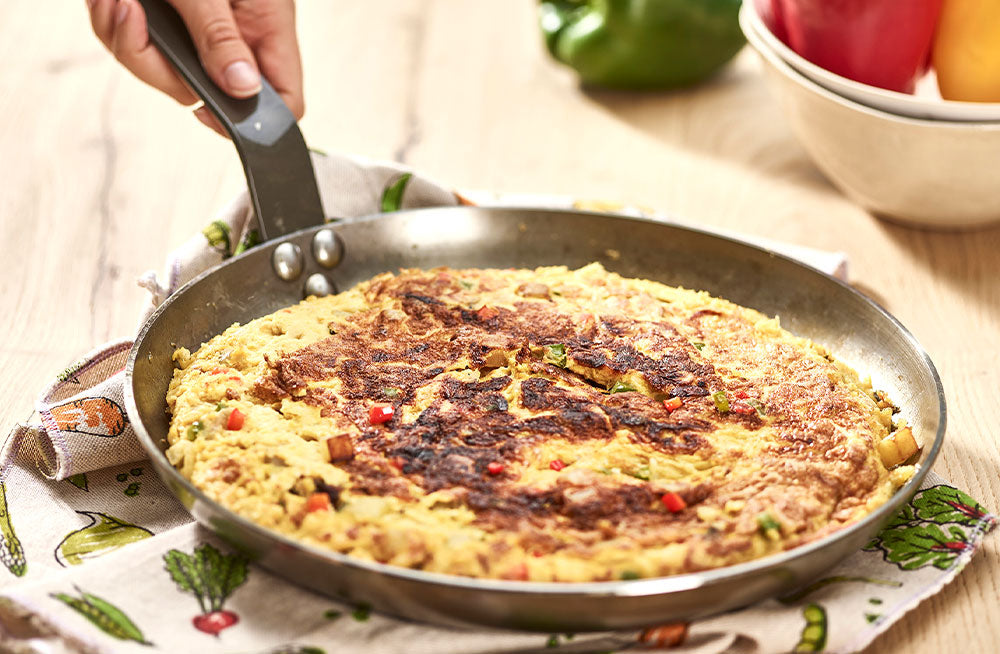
[378,356]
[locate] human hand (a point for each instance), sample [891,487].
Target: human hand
[237,40]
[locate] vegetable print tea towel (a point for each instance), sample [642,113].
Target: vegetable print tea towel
[118,567]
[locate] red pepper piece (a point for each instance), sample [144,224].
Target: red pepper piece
[236,378]
[487,313]
[673,404]
[218,371]
[397,462]
[518,571]
[741,394]
[884,43]
[318,502]
[494,467]
[380,413]
[674,502]
[557,465]
[741,407]
[235,420]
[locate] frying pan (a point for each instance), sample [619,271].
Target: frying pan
[303,253]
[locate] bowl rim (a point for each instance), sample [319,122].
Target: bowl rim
[758,43]
[940,110]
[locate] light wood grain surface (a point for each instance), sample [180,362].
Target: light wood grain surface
[102,177]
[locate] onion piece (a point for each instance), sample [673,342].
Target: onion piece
[897,447]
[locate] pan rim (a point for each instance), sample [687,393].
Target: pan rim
[618,588]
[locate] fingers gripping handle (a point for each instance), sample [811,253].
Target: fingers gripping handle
[275,158]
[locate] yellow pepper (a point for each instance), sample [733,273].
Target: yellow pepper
[966,53]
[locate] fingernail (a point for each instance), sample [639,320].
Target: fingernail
[241,77]
[121,12]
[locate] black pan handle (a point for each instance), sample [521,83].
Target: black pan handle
[274,154]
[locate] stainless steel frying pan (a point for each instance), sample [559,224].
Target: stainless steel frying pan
[276,273]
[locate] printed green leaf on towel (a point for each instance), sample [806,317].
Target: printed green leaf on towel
[931,529]
[251,239]
[104,534]
[919,545]
[79,480]
[361,612]
[905,516]
[217,235]
[211,577]
[104,615]
[943,504]
[392,195]
[221,238]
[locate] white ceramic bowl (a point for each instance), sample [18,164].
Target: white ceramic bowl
[927,103]
[937,174]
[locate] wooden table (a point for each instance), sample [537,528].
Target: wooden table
[102,177]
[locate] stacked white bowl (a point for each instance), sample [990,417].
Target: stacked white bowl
[915,159]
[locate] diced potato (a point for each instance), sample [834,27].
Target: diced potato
[708,513]
[340,448]
[496,359]
[897,447]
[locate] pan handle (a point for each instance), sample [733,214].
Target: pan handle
[275,158]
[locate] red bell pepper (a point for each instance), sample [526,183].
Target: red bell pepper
[884,43]
[674,502]
[770,12]
[235,420]
[380,413]
[318,502]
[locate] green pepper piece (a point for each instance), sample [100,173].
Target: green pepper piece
[555,354]
[193,430]
[766,522]
[642,44]
[642,472]
[758,406]
[621,387]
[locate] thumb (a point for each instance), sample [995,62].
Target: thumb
[224,54]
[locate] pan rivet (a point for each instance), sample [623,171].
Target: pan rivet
[317,284]
[327,248]
[287,261]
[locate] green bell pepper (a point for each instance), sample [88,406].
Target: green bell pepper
[642,44]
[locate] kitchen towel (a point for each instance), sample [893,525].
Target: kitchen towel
[100,557]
